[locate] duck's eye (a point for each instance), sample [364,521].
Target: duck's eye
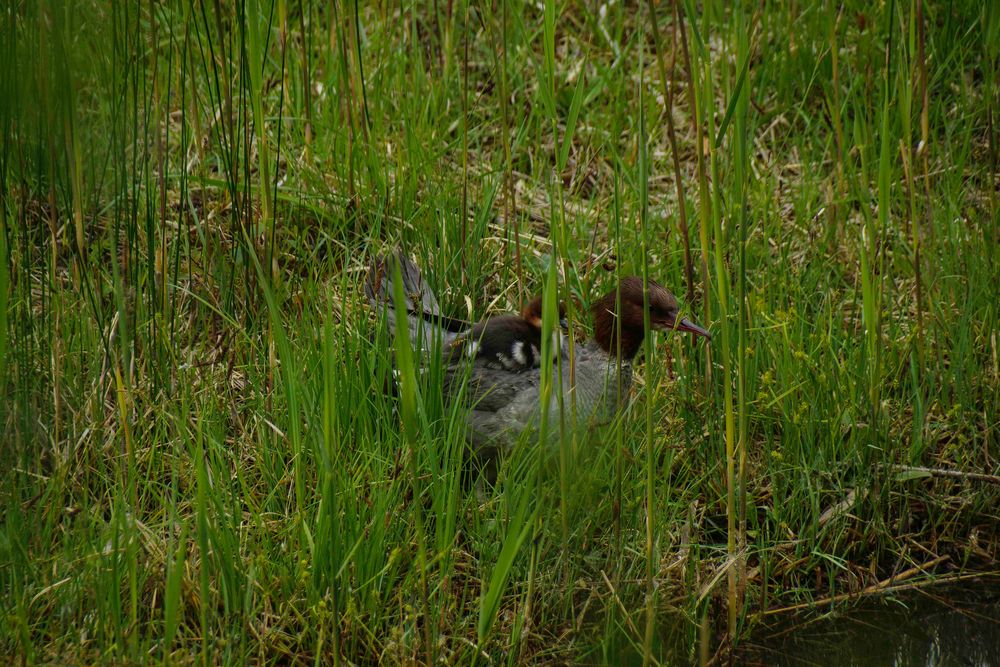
[666,315]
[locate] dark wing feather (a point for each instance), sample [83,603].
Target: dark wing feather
[503,342]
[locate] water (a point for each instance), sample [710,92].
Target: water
[932,628]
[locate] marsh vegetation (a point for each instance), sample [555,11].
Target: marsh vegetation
[200,462]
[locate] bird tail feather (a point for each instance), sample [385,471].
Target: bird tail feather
[424,319]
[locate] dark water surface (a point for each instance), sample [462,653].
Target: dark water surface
[938,627]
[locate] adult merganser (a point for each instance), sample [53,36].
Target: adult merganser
[505,402]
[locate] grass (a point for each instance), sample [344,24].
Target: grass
[201,464]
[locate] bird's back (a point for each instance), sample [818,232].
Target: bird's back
[504,404]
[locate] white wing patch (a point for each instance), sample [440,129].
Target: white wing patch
[517,351]
[472,349]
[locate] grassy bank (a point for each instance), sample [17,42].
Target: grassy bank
[200,463]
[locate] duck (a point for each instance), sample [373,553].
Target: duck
[504,400]
[509,342]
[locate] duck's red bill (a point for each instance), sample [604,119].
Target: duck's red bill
[687,325]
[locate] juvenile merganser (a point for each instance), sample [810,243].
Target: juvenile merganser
[508,342]
[505,402]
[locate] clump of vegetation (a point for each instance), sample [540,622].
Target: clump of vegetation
[200,462]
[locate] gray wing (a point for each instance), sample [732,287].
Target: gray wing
[487,388]
[503,404]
